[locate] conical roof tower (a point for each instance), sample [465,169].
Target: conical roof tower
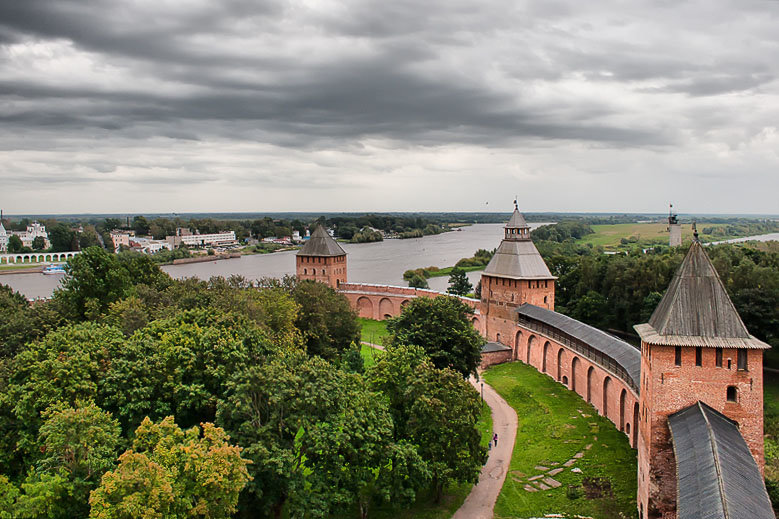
[517,256]
[515,275]
[321,244]
[696,309]
[321,259]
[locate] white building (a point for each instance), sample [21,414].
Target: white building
[149,246]
[34,230]
[203,240]
[3,238]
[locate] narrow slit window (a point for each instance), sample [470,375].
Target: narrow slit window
[678,356]
[698,356]
[718,357]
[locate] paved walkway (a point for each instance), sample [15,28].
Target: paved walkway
[481,500]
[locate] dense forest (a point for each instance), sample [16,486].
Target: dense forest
[131,394]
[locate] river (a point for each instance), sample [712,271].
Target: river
[381,262]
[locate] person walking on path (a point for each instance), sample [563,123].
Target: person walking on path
[481,500]
[495,439]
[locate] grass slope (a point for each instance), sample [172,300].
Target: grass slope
[373,331]
[552,429]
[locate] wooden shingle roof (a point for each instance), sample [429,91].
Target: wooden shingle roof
[321,244]
[517,221]
[717,477]
[696,310]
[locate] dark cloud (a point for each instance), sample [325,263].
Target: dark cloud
[292,80]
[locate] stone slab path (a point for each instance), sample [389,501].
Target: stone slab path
[481,500]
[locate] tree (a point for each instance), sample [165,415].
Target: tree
[442,422]
[109,224]
[418,281]
[39,243]
[327,321]
[180,366]
[94,280]
[141,226]
[23,322]
[318,437]
[62,238]
[458,282]
[8,495]
[442,327]
[15,244]
[68,366]
[173,473]
[88,238]
[78,445]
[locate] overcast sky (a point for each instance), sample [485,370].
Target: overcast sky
[377,105]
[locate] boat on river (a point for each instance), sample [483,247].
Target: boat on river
[53,269]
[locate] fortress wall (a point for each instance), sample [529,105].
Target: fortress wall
[383,301]
[611,396]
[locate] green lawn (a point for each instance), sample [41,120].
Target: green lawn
[373,331]
[369,355]
[554,425]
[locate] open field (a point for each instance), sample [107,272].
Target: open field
[610,236]
[555,425]
[373,331]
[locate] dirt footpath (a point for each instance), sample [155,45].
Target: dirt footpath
[481,501]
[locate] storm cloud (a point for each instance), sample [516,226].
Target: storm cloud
[372,105]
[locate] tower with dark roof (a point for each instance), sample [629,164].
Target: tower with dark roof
[516,274]
[695,348]
[322,259]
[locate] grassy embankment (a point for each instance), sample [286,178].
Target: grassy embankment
[554,425]
[425,507]
[648,234]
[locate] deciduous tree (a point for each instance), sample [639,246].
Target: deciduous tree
[442,327]
[173,473]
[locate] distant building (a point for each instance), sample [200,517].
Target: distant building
[34,230]
[322,259]
[121,239]
[148,245]
[186,237]
[3,237]
[674,229]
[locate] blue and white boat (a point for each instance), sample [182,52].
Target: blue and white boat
[54,269]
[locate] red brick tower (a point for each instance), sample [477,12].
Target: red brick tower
[322,259]
[516,274]
[694,348]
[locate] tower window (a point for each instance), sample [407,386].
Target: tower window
[742,359]
[678,356]
[732,394]
[718,357]
[698,356]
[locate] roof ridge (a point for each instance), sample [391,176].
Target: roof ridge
[715,453]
